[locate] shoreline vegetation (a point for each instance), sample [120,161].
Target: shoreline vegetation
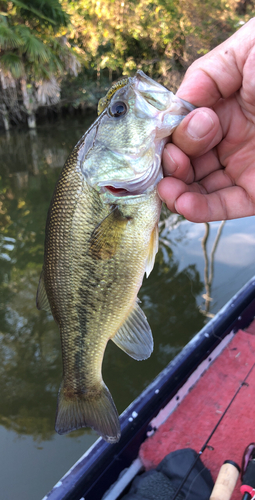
[59,57]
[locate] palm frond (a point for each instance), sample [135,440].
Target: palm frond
[7,80]
[48,91]
[35,49]
[8,37]
[12,63]
[37,71]
[3,18]
[30,8]
[62,50]
[55,64]
[50,11]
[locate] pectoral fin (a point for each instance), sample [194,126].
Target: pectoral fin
[134,337]
[106,237]
[41,296]
[153,248]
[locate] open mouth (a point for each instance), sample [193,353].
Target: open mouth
[137,185]
[118,191]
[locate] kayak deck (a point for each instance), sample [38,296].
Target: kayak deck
[190,425]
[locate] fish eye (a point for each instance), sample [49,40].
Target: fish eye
[118,109]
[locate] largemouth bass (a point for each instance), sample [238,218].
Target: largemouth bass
[101,237]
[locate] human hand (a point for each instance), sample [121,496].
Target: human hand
[211,159]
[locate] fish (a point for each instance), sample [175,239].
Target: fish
[101,238]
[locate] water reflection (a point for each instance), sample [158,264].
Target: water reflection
[30,357]
[209,266]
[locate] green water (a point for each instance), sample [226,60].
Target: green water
[32,456]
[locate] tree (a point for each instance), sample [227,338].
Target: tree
[34,56]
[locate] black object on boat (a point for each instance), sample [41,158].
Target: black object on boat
[248,473]
[163,481]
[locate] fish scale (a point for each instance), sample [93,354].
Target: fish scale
[101,237]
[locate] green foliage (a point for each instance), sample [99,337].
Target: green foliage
[29,30]
[8,37]
[33,47]
[12,63]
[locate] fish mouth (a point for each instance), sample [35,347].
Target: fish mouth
[139,185]
[118,191]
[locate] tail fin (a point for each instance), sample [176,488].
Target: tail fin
[89,410]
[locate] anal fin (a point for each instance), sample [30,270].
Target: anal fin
[134,337]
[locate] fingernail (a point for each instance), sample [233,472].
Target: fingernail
[176,209]
[200,124]
[171,164]
[162,199]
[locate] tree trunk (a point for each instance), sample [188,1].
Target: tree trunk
[29,103]
[98,76]
[31,121]
[5,116]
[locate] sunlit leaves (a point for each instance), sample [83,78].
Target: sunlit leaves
[159,36]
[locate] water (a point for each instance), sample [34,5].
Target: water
[175,299]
